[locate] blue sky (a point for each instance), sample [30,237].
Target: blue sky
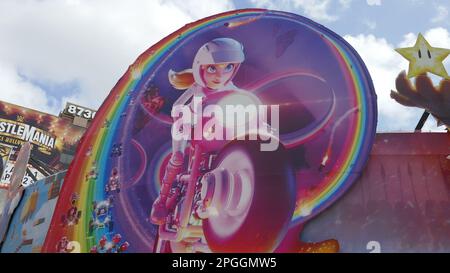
[53,51]
[390,19]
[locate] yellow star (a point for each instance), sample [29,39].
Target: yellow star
[424,58]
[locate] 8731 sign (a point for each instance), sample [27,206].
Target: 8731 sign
[74,110]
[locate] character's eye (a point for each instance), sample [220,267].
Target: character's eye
[420,54]
[211,69]
[229,67]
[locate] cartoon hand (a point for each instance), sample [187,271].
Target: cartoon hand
[424,95]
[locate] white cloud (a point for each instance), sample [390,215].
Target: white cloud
[384,65]
[315,9]
[442,14]
[88,42]
[438,37]
[374,2]
[345,3]
[17,90]
[370,24]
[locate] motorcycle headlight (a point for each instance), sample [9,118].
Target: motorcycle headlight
[239,109]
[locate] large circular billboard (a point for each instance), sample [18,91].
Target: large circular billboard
[165,165]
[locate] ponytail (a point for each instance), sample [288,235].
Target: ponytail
[181,80]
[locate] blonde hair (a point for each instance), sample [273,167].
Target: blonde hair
[181,80]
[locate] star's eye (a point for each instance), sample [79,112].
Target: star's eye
[420,54]
[429,54]
[211,69]
[229,67]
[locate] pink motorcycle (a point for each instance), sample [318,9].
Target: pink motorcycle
[232,197]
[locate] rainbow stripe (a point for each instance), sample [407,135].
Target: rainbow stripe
[100,139]
[312,203]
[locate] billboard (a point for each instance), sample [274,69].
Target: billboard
[30,222]
[73,110]
[5,152]
[316,114]
[53,138]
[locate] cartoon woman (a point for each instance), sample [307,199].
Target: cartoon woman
[214,67]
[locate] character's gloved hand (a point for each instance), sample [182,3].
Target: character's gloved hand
[424,95]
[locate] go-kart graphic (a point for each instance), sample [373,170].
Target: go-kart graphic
[113,185]
[115,245]
[116,150]
[101,215]
[93,173]
[73,215]
[62,245]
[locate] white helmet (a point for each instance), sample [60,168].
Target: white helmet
[220,50]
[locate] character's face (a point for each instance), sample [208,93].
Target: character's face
[101,211]
[72,211]
[217,75]
[63,242]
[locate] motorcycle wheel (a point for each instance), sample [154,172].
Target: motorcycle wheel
[253,205]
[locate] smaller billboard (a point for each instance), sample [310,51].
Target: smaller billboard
[54,139]
[30,222]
